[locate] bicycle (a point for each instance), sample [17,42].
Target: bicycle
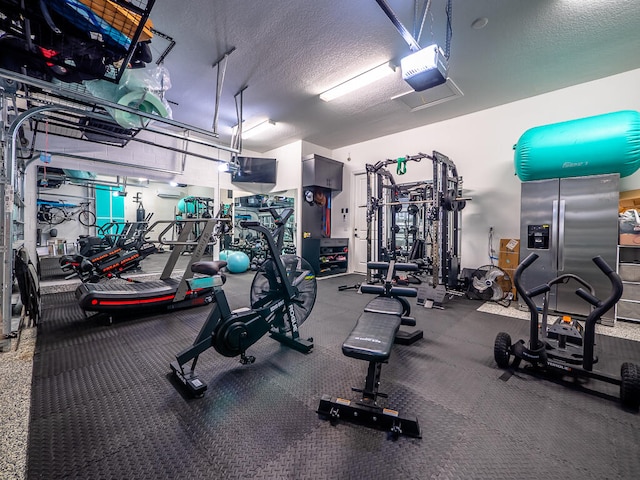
[54,213]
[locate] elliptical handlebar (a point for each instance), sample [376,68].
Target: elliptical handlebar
[614,278]
[616,288]
[539,290]
[604,266]
[526,296]
[601,306]
[592,299]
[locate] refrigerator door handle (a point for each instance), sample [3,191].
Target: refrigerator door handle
[554,234]
[561,236]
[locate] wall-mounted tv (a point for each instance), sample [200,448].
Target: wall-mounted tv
[255,170]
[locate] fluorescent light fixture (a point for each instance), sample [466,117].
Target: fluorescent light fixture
[358,82]
[223,167]
[173,184]
[425,68]
[257,129]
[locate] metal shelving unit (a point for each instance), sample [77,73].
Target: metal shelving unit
[628,308]
[86,40]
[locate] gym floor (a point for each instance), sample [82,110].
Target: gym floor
[104,406]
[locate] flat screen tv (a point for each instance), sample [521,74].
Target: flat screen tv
[255,170]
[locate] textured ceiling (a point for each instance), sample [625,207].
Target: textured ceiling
[289,51]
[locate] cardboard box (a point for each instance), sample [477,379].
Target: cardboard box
[509,245]
[629,200]
[509,258]
[509,254]
[629,239]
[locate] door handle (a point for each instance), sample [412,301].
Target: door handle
[561,215]
[554,233]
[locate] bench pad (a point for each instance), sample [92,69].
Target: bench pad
[372,337]
[388,305]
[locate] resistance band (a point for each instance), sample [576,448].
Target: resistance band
[401,169]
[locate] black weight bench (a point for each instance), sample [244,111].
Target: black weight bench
[392,301]
[371,340]
[372,337]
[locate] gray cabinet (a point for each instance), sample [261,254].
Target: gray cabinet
[319,171]
[628,308]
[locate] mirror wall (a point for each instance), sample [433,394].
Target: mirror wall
[126,199]
[247,207]
[114,200]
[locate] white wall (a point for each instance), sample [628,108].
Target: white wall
[481,144]
[311,148]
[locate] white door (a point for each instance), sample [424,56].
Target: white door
[360,224]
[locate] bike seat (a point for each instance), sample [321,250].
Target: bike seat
[208,267]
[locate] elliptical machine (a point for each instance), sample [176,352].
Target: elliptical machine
[283,293]
[567,348]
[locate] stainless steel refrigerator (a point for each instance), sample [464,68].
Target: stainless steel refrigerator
[567,222]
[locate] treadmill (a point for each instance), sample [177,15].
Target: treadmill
[167,292]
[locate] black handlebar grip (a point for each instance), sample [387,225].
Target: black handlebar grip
[532,257]
[582,293]
[602,265]
[249,223]
[539,290]
[408,321]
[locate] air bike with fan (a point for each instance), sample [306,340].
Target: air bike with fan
[283,293]
[566,348]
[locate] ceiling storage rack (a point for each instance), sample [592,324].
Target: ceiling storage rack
[75,40]
[32,107]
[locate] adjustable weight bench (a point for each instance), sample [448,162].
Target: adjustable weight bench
[391,299]
[371,340]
